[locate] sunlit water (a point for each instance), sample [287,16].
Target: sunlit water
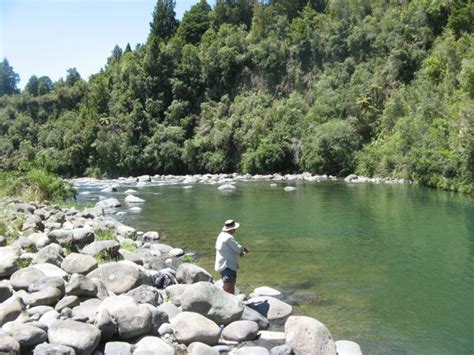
[388,266]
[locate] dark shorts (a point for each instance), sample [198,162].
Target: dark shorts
[228,275]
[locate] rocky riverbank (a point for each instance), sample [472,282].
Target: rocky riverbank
[80,282]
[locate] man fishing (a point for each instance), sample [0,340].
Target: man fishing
[227,253]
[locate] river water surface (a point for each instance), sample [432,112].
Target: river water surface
[388,266]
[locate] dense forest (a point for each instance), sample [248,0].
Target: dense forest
[381,88]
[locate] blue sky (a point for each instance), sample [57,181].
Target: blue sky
[47,37]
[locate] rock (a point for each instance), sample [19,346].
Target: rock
[111,247]
[87,310]
[41,284]
[130,191]
[265,291]
[207,299]
[102,292]
[67,301]
[126,231]
[178,252]
[3,241]
[26,335]
[51,270]
[8,257]
[153,345]
[39,311]
[119,277]
[306,335]
[76,263]
[131,256]
[108,203]
[170,309]
[21,279]
[50,254]
[289,188]
[5,292]
[83,236]
[198,348]
[53,349]
[34,222]
[174,293]
[118,348]
[146,294]
[83,338]
[144,178]
[149,236]
[158,318]
[190,273]
[61,236]
[58,217]
[135,209]
[270,307]
[80,285]
[133,199]
[162,248]
[240,331]
[165,328]
[49,318]
[105,324]
[347,347]
[8,345]
[94,212]
[45,297]
[281,350]
[270,340]
[251,350]
[189,327]
[25,243]
[225,187]
[351,177]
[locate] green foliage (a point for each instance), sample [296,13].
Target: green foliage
[105,234]
[8,79]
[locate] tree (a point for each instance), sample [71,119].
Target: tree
[72,76]
[39,86]
[195,22]
[235,12]
[164,23]
[8,79]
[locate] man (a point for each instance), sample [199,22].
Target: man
[227,253]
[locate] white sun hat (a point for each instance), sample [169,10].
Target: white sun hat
[230,224]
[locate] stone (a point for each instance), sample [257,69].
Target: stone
[3,241]
[21,279]
[67,301]
[351,177]
[265,291]
[41,284]
[61,236]
[53,349]
[111,247]
[189,273]
[270,307]
[26,335]
[87,310]
[158,318]
[347,347]
[82,236]
[76,263]
[39,311]
[170,309]
[253,315]
[306,335]
[34,222]
[289,188]
[153,345]
[174,293]
[102,292]
[51,270]
[82,337]
[120,277]
[251,350]
[198,348]
[189,327]
[8,345]
[165,328]
[130,191]
[25,243]
[8,260]
[178,252]
[108,203]
[94,212]
[269,339]
[146,294]
[162,248]
[131,256]
[5,292]
[80,285]
[105,324]
[49,318]
[144,178]
[45,297]
[133,199]
[126,231]
[149,236]
[240,331]
[281,350]
[207,299]
[118,348]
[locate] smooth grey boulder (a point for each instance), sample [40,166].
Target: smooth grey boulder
[25,243]
[270,307]
[82,337]
[119,277]
[240,331]
[306,335]
[67,302]
[8,345]
[175,292]
[105,324]
[48,318]
[253,315]
[53,349]
[80,285]
[110,247]
[8,260]
[21,279]
[45,297]
[165,328]
[50,254]
[162,248]
[34,222]
[251,350]
[61,236]
[146,294]
[83,235]
[108,203]
[189,273]
[102,292]
[126,231]
[270,339]
[151,236]
[133,199]
[26,335]
[58,217]
[176,252]
[76,263]
[158,318]
[198,348]
[210,301]
[281,350]
[38,311]
[51,270]
[87,310]
[5,292]
[347,347]
[189,327]
[170,309]
[265,291]
[118,348]
[93,212]
[153,345]
[44,282]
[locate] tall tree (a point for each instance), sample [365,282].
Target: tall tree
[195,22]
[164,22]
[8,79]
[72,76]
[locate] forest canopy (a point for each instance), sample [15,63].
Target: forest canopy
[381,88]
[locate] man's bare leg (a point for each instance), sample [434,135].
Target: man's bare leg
[229,286]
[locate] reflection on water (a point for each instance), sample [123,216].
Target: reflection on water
[391,267]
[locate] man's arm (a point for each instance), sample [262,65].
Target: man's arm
[235,246]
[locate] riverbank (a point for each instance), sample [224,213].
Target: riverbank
[64,272]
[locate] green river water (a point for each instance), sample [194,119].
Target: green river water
[388,266]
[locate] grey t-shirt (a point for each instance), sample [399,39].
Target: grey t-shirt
[227,252]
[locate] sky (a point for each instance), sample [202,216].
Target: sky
[47,37]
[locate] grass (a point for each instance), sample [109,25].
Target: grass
[22,263]
[131,247]
[105,234]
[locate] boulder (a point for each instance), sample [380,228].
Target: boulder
[165,328]
[158,318]
[253,315]
[198,348]
[5,292]
[8,345]
[174,293]
[270,307]
[110,247]
[281,350]
[306,335]
[153,345]
[207,299]
[176,252]
[80,285]
[83,236]
[25,243]
[94,212]
[105,324]
[34,222]
[87,310]
[170,309]
[149,237]
[76,263]
[41,284]
[45,297]
[160,247]
[82,337]
[251,350]
[347,347]
[49,318]
[118,348]
[240,331]
[146,294]
[108,203]
[133,199]
[21,279]
[269,340]
[265,291]
[119,277]
[61,236]
[53,349]
[8,257]
[130,191]
[51,270]
[126,231]
[189,327]
[67,301]
[26,335]
[38,311]
[190,273]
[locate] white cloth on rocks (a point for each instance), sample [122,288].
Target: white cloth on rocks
[227,252]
